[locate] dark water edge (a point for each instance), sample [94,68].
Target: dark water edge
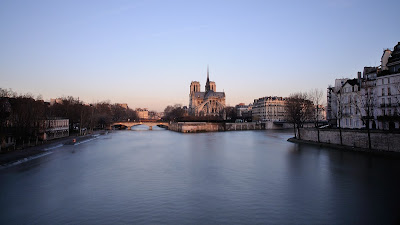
[389,154]
[164,177]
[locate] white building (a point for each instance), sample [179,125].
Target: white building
[373,100]
[332,110]
[142,113]
[387,113]
[54,128]
[349,98]
[271,108]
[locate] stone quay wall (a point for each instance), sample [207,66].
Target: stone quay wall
[196,127]
[244,126]
[380,140]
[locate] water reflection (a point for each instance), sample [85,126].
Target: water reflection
[160,176]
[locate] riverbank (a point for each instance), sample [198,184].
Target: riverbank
[7,158]
[200,127]
[377,140]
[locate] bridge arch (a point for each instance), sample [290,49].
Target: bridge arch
[128,125]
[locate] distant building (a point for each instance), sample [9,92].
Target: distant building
[142,113]
[53,128]
[271,108]
[321,113]
[244,111]
[208,103]
[55,100]
[123,105]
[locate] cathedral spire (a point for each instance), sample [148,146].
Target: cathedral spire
[208,75]
[208,80]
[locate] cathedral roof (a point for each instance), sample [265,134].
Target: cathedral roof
[212,93]
[199,95]
[209,94]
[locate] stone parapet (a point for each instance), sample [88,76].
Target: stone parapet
[380,140]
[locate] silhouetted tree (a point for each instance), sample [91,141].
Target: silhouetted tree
[174,113]
[367,103]
[315,96]
[231,113]
[299,109]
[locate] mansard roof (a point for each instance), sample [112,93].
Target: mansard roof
[352,82]
[395,56]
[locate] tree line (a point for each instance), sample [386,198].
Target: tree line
[178,112]
[20,115]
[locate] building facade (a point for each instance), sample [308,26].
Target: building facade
[142,113]
[207,103]
[350,104]
[54,128]
[372,100]
[332,110]
[271,108]
[388,93]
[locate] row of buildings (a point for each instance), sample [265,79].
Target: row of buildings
[212,103]
[372,100]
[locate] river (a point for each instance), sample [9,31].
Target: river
[165,177]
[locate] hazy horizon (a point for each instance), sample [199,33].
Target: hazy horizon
[146,53]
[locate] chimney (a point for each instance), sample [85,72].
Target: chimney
[359,79]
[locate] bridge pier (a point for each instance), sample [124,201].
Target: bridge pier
[150,127]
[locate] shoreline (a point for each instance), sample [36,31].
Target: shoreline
[346,148]
[13,157]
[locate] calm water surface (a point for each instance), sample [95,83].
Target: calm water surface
[248,177]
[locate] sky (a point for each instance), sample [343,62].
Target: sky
[146,53]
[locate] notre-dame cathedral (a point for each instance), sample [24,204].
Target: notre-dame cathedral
[208,103]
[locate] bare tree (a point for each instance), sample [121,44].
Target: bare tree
[174,113]
[299,110]
[367,104]
[340,111]
[315,96]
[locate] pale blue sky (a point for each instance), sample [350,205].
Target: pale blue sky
[146,53]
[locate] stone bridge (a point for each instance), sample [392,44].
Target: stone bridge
[128,125]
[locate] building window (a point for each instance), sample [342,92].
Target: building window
[389,92]
[383,91]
